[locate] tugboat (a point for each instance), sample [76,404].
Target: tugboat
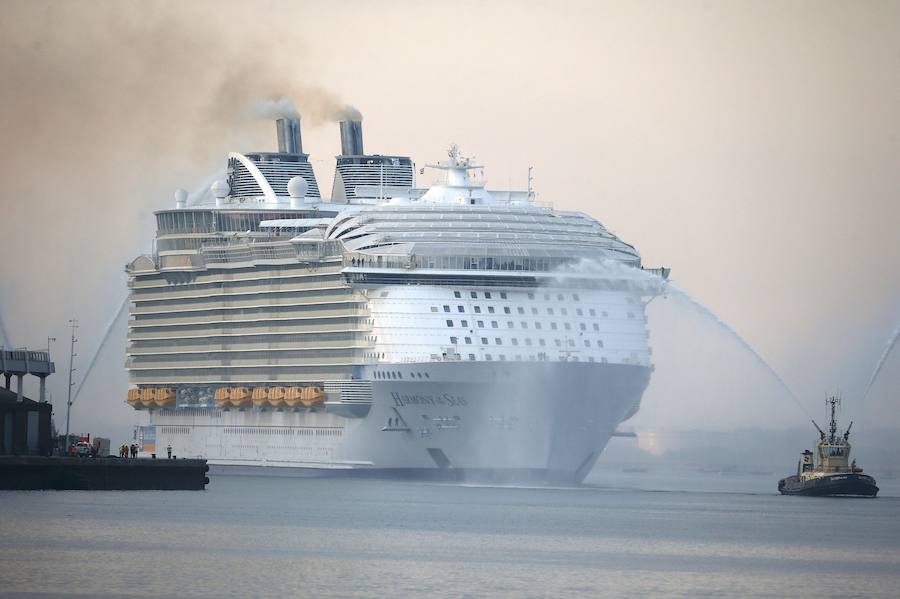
[832,473]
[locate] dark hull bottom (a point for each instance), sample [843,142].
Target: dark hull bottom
[849,484]
[461,475]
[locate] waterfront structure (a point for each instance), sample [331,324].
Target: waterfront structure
[448,331]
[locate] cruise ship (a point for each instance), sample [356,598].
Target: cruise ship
[443,332]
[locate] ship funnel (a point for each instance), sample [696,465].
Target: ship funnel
[351,138]
[289,141]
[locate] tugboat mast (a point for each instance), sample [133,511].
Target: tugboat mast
[832,427]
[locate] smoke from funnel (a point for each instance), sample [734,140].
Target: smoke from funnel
[351,138]
[348,113]
[282,108]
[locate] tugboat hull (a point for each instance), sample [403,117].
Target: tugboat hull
[835,484]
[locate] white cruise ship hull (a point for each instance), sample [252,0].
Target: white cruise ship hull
[453,420]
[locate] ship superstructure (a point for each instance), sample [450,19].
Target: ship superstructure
[442,331]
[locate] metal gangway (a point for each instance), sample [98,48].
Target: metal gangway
[19,362]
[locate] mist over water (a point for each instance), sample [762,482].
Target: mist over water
[670,287]
[695,388]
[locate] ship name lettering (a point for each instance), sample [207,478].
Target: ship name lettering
[416,399]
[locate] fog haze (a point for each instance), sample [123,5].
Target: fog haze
[750,146]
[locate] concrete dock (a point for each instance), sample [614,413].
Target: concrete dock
[101,474]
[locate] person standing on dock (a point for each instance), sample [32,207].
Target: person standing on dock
[169,450]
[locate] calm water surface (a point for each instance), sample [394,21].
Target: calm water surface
[625,534]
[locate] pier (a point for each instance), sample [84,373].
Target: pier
[101,474]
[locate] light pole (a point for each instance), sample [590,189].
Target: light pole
[74,324]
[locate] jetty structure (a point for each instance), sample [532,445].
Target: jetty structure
[25,427]
[26,444]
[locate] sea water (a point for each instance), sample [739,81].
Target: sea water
[622,534]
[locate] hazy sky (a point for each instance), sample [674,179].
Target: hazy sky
[753,147]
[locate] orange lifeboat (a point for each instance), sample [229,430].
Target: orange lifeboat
[223,396]
[260,396]
[292,396]
[276,396]
[165,396]
[134,397]
[312,396]
[239,396]
[148,396]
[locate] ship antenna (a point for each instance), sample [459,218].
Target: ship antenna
[530,183]
[832,427]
